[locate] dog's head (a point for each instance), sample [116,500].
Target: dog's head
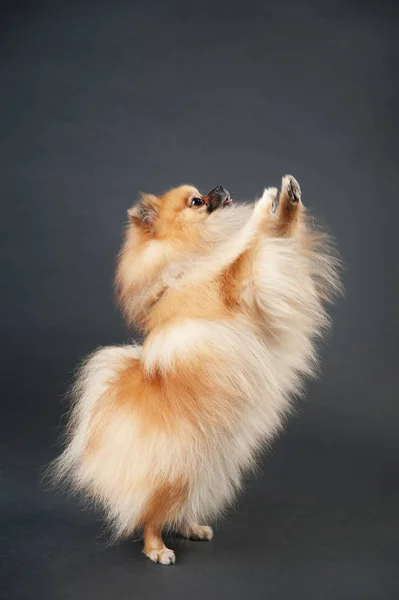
[177,211]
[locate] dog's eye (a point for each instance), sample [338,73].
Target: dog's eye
[196,202]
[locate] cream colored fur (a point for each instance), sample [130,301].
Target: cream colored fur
[255,366]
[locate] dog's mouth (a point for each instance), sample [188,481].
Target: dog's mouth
[218,197]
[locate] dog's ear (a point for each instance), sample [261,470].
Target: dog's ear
[145,212]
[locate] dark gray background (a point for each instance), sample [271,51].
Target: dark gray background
[100,100]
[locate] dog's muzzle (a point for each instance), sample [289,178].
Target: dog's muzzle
[218,197]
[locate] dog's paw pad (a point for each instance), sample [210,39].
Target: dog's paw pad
[290,185]
[165,556]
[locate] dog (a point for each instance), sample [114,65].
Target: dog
[231,299]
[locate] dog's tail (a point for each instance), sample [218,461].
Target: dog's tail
[83,465]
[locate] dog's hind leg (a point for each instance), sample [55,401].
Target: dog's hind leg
[154,546]
[163,509]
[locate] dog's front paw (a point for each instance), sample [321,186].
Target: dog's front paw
[287,207]
[267,201]
[291,188]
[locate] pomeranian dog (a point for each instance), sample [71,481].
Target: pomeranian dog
[231,299]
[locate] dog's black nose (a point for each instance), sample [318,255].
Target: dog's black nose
[219,192]
[217,197]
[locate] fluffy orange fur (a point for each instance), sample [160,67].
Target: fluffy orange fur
[231,302]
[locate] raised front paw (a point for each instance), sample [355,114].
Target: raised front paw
[268,200]
[291,189]
[287,206]
[284,205]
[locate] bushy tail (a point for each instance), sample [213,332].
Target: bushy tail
[92,383]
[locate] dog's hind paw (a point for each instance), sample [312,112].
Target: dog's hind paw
[200,532]
[164,556]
